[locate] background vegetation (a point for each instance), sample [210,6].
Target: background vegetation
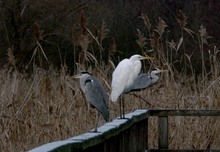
[65,32]
[43,43]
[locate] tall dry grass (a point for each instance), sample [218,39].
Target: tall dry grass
[185,89]
[48,105]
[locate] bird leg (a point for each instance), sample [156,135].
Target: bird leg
[120,112]
[121,108]
[138,96]
[96,122]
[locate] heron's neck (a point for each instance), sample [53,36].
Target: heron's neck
[83,83]
[154,78]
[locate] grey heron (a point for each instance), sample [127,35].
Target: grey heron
[123,77]
[145,80]
[94,94]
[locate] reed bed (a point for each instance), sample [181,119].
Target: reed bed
[49,106]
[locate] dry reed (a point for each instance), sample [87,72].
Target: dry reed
[49,106]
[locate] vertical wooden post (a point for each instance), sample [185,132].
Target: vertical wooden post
[146,136]
[163,132]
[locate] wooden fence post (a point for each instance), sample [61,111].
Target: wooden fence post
[163,132]
[146,138]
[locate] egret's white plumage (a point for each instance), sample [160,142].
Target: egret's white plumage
[124,75]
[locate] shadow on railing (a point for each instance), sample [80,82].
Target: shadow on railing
[125,135]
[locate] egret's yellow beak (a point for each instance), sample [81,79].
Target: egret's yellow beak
[146,57]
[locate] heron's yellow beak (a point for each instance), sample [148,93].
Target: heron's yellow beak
[163,70]
[146,57]
[76,76]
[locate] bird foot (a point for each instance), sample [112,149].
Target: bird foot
[94,131]
[122,117]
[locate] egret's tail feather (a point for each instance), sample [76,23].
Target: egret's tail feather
[114,97]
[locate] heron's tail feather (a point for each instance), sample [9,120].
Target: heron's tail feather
[105,114]
[103,109]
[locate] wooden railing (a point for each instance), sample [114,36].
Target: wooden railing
[163,125]
[125,135]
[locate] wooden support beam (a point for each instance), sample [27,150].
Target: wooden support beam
[163,132]
[182,150]
[184,112]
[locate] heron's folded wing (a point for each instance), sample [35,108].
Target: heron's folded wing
[95,94]
[141,82]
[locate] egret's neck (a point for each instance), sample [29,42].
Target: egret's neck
[137,69]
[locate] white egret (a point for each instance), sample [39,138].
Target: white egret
[123,77]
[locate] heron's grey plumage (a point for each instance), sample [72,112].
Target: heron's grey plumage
[141,82]
[144,80]
[95,94]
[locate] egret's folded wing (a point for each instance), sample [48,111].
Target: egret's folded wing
[120,79]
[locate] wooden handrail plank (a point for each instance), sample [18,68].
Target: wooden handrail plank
[125,135]
[109,132]
[64,144]
[182,150]
[185,112]
[140,114]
